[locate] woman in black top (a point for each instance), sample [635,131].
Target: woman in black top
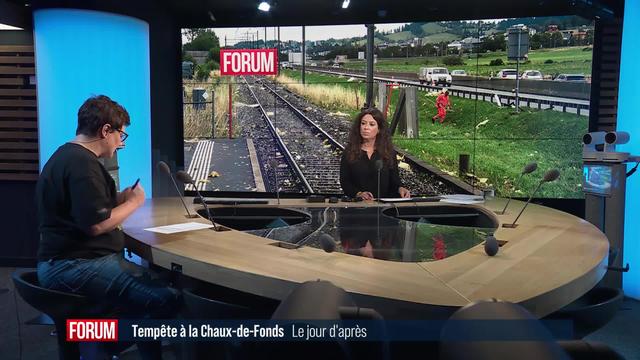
[370,148]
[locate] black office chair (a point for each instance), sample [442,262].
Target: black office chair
[321,300]
[467,332]
[212,303]
[56,304]
[591,311]
[60,306]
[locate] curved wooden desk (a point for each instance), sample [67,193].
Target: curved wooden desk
[549,260]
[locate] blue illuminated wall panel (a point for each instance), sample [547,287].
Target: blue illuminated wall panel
[81,53]
[629,120]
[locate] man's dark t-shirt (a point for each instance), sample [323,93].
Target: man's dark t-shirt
[75,192]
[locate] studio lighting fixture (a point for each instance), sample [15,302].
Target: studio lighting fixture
[264,6]
[345,4]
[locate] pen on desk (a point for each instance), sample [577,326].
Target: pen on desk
[135,184]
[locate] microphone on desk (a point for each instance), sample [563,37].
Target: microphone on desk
[379,166]
[327,243]
[528,169]
[187,179]
[164,168]
[549,176]
[491,245]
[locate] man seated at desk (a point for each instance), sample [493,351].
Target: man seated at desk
[79,215]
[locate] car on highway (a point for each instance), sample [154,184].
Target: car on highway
[458,72]
[507,74]
[531,75]
[336,66]
[571,77]
[434,75]
[286,65]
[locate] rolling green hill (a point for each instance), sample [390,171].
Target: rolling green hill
[433,28]
[400,36]
[436,38]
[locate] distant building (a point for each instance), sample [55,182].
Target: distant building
[566,34]
[200,57]
[468,43]
[340,59]
[454,45]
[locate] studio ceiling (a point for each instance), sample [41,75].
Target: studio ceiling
[236,13]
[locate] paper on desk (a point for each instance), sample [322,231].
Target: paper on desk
[176,228]
[462,199]
[395,199]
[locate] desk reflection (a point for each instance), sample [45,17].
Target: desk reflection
[373,233]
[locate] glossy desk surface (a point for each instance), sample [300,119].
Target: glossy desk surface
[550,259]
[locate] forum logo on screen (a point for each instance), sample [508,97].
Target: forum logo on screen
[236,62]
[92,330]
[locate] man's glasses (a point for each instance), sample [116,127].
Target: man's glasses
[123,135]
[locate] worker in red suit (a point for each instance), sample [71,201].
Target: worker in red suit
[442,104]
[439,247]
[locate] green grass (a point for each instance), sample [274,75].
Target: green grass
[498,141]
[565,60]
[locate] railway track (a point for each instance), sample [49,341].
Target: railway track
[311,153]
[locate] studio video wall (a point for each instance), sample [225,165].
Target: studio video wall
[469,104]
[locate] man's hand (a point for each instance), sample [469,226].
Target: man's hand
[404,192]
[365,195]
[122,195]
[136,195]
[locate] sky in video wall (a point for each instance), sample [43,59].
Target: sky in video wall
[508,106]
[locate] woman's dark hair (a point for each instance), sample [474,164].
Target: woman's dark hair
[98,111]
[383,144]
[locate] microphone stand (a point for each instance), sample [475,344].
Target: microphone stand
[510,195]
[513,225]
[379,195]
[206,208]
[275,174]
[189,215]
[274,166]
[379,168]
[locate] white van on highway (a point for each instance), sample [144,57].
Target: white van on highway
[434,75]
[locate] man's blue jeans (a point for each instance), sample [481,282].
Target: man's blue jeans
[134,291]
[125,289]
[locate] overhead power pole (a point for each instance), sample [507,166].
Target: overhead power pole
[370,31]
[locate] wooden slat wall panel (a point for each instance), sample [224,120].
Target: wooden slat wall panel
[16,60]
[18,124]
[18,92]
[606,72]
[23,145]
[19,159]
[18,176]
